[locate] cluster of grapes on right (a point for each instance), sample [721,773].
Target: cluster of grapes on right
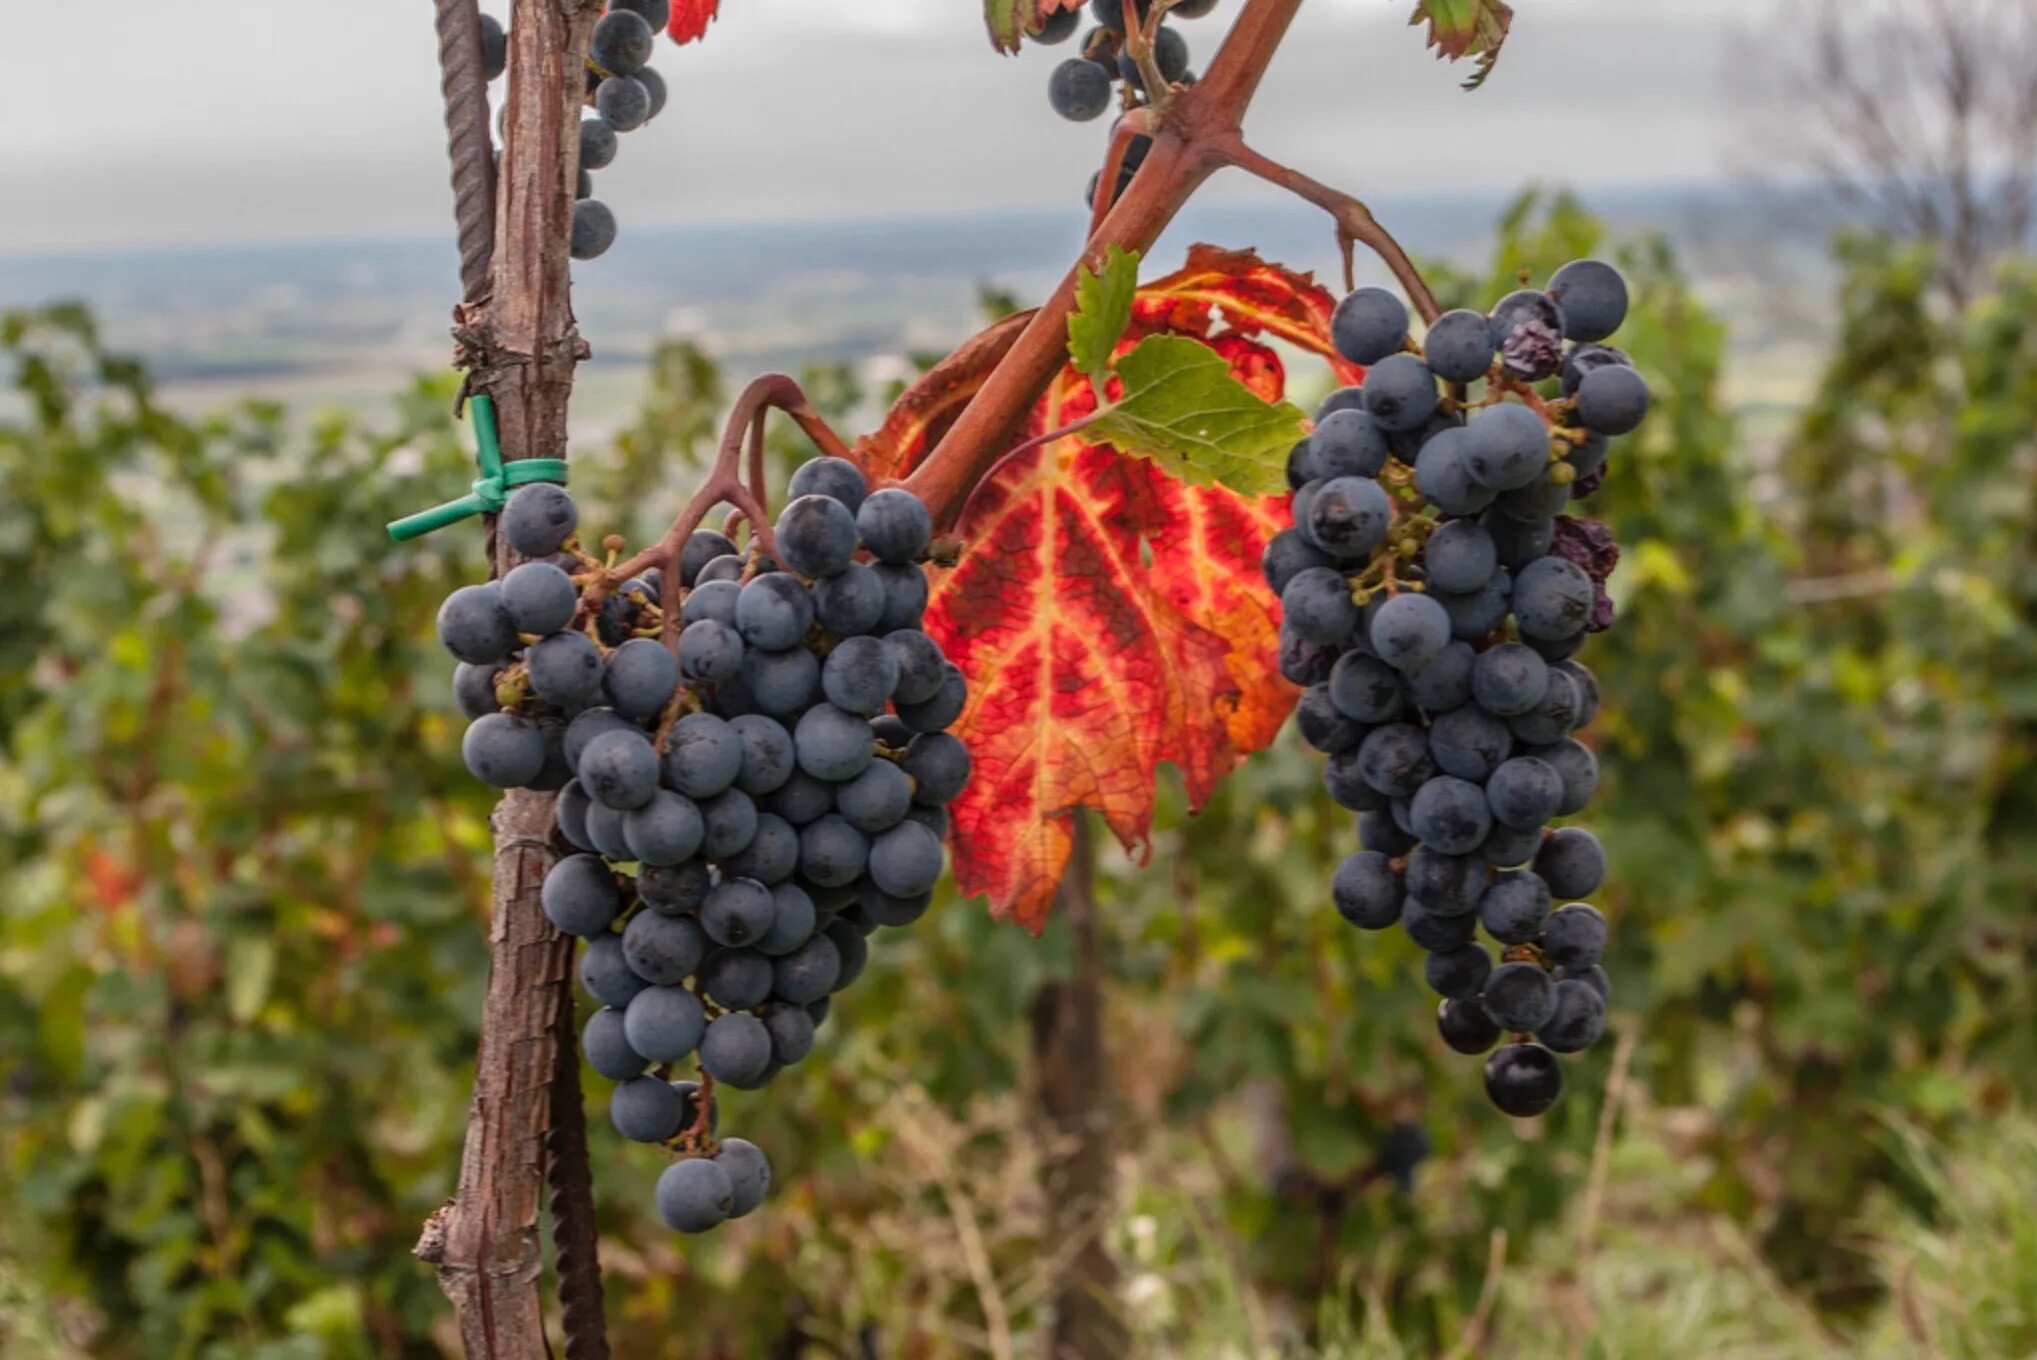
[623,91]
[1434,598]
[1082,87]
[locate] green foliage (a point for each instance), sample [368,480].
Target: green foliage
[1103,308]
[1180,406]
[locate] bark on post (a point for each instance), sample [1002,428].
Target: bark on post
[521,345]
[1071,1091]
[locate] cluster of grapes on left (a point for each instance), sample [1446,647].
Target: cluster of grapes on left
[624,93]
[745,792]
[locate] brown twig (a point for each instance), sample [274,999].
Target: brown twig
[574,1232]
[1355,221]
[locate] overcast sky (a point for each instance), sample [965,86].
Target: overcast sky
[217,120]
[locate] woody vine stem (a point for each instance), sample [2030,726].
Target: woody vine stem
[518,341]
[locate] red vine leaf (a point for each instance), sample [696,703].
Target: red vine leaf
[1108,616]
[690,19]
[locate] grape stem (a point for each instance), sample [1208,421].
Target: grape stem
[1196,131]
[1355,223]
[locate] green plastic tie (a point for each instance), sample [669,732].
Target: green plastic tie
[491,491]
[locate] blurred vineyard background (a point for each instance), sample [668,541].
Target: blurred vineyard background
[242,936]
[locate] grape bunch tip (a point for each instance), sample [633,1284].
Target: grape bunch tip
[1432,609]
[739,811]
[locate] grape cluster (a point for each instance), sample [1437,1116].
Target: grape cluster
[623,91]
[746,806]
[1084,87]
[1434,597]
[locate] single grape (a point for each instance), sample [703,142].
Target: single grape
[1322,725]
[905,595]
[1343,399]
[1366,891]
[580,897]
[1459,556]
[503,750]
[836,477]
[939,765]
[1058,27]
[1400,393]
[1448,885]
[894,525]
[1523,1080]
[664,1023]
[666,830]
[607,1049]
[623,102]
[853,950]
[474,688]
[791,1030]
[1287,555]
[736,1049]
[1509,679]
[642,678]
[605,973]
[793,920]
[1344,781]
[607,828]
[1317,607]
[703,546]
[694,1195]
[1554,717]
[494,48]
[594,227]
[921,667]
[1524,792]
[1552,598]
[940,712]
[703,755]
[711,600]
[1443,474]
[1519,997]
[1575,936]
[1450,814]
[781,684]
[1459,346]
[748,1170]
[620,770]
[709,651]
[588,725]
[1572,862]
[730,819]
[622,43]
[851,602]
[1506,446]
[808,973]
[1465,1026]
[1303,662]
[1409,630]
[539,598]
[646,1110]
[860,675]
[1577,770]
[1079,89]
[831,851]
[1593,297]
[538,519]
[1459,972]
[674,889]
[738,911]
[475,626]
[1469,742]
[1366,689]
[767,758]
[771,855]
[571,812]
[816,536]
[1586,686]
[1579,1019]
[802,798]
[662,949]
[1348,517]
[1583,360]
[1395,759]
[1376,831]
[906,860]
[565,670]
[1445,683]
[1368,325]
[1612,401]
[1514,907]
[774,611]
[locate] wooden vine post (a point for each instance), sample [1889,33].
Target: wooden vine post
[518,344]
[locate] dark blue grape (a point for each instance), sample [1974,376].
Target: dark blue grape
[1506,446]
[620,770]
[1524,792]
[607,1048]
[1459,346]
[666,830]
[712,600]
[664,1023]
[905,596]
[940,712]
[1451,815]
[694,1195]
[662,949]
[803,798]
[921,667]
[1445,683]
[1316,606]
[1612,401]
[642,677]
[1443,474]
[1303,662]
[1523,1080]
[1288,554]
[645,1110]
[860,675]
[565,670]
[1519,542]
[767,759]
[816,536]
[623,102]
[571,812]
[1593,297]
[1514,908]
[793,920]
[1508,847]
[1368,325]
[580,897]
[475,626]
[588,725]
[539,598]
[832,852]
[853,950]
[1552,598]
[906,860]
[781,684]
[1576,770]
[939,766]
[1343,399]
[1519,997]
[808,973]
[703,755]
[851,602]
[494,48]
[736,979]
[1586,359]
[1344,781]
[1346,443]
[503,750]
[1408,631]
[594,226]
[1448,885]
[1079,89]
[774,611]
[1367,891]
[622,43]
[1579,1019]
[836,477]
[1322,725]
[606,827]
[1348,517]
[731,821]
[1376,831]
[1432,932]
[1574,936]
[1509,679]
[709,651]
[1395,759]
[474,688]
[1572,862]
[1554,717]
[894,525]
[606,974]
[771,855]
[1465,1026]
[1459,556]
[1366,689]
[833,744]
[538,519]
[1400,393]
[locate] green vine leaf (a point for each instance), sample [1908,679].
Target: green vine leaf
[1103,308]
[1466,28]
[1182,408]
